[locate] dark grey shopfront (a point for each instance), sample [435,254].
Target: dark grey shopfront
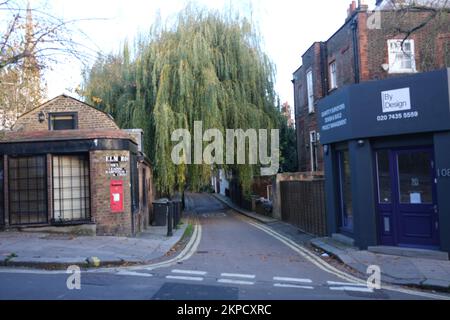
[387,161]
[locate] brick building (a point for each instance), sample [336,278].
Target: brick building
[67,165]
[367,47]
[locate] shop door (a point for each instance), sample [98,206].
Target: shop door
[408,210]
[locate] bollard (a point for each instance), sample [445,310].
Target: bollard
[169,219]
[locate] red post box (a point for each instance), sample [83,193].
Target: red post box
[116,192]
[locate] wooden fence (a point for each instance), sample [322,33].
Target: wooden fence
[303,205]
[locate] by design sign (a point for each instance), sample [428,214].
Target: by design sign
[396,100]
[396,106]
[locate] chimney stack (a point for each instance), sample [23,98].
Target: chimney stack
[351,9]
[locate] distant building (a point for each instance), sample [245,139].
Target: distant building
[357,52]
[67,164]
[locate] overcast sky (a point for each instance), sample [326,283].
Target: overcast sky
[288,28]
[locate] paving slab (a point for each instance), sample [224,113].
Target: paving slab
[400,270]
[46,250]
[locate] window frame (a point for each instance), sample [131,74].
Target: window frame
[18,215]
[62,114]
[346,224]
[333,75]
[314,154]
[310,91]
[393,65]
[88,210]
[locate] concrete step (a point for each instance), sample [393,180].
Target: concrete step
[410,252]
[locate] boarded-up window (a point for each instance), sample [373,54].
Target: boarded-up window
[71,199]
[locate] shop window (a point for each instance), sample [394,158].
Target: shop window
[310,91]
[333,75]
[401,56]
[384,177]
[346,202]
[27,190]
[71,198]
[2,207]
[63,121]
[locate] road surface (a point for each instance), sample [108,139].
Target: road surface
[229,258]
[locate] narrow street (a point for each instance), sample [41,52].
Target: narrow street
[232,259]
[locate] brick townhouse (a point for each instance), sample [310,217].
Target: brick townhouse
[364,48]
[67,166]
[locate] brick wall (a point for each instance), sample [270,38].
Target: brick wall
[306,121]
[108,223]
[88,117]
[145,211]
[430,42]
[432,51]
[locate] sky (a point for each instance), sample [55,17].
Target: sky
[288,28]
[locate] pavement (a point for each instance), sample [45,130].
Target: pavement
[56,251]
[398,270]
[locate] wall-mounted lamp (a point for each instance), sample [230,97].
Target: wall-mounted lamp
[361,143]
[41,116]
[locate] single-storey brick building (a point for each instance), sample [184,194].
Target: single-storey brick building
[68,164]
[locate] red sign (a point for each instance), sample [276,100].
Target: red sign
[116,192]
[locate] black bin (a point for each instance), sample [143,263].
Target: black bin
[161,212]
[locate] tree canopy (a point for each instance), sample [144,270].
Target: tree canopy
[205,67]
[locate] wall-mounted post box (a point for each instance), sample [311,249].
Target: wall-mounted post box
[116,194]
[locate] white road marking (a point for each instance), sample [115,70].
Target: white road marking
[332,270]
[355,289]
[134,274]
[333,283]
[238,275]
[191,272]
[284,285]
[229,281]
[184,278]
[292,280]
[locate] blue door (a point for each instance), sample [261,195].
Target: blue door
[407,204]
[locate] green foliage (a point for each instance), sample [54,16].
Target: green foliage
[206,67]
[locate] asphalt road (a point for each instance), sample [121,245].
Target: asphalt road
[232,260]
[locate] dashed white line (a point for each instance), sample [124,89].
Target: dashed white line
[285,285]
[191,272]
[239,282]
[238,275]
[283,279]
[184,278]
[134,274]
[355,289]
[333,283]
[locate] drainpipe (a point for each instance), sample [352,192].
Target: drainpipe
[324,68]
[354,26]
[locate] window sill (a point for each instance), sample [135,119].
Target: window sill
[402,71]
[70,222]
[332,89]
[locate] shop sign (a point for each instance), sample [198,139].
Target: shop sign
[116,166]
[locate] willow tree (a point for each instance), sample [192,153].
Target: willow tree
[205,67]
